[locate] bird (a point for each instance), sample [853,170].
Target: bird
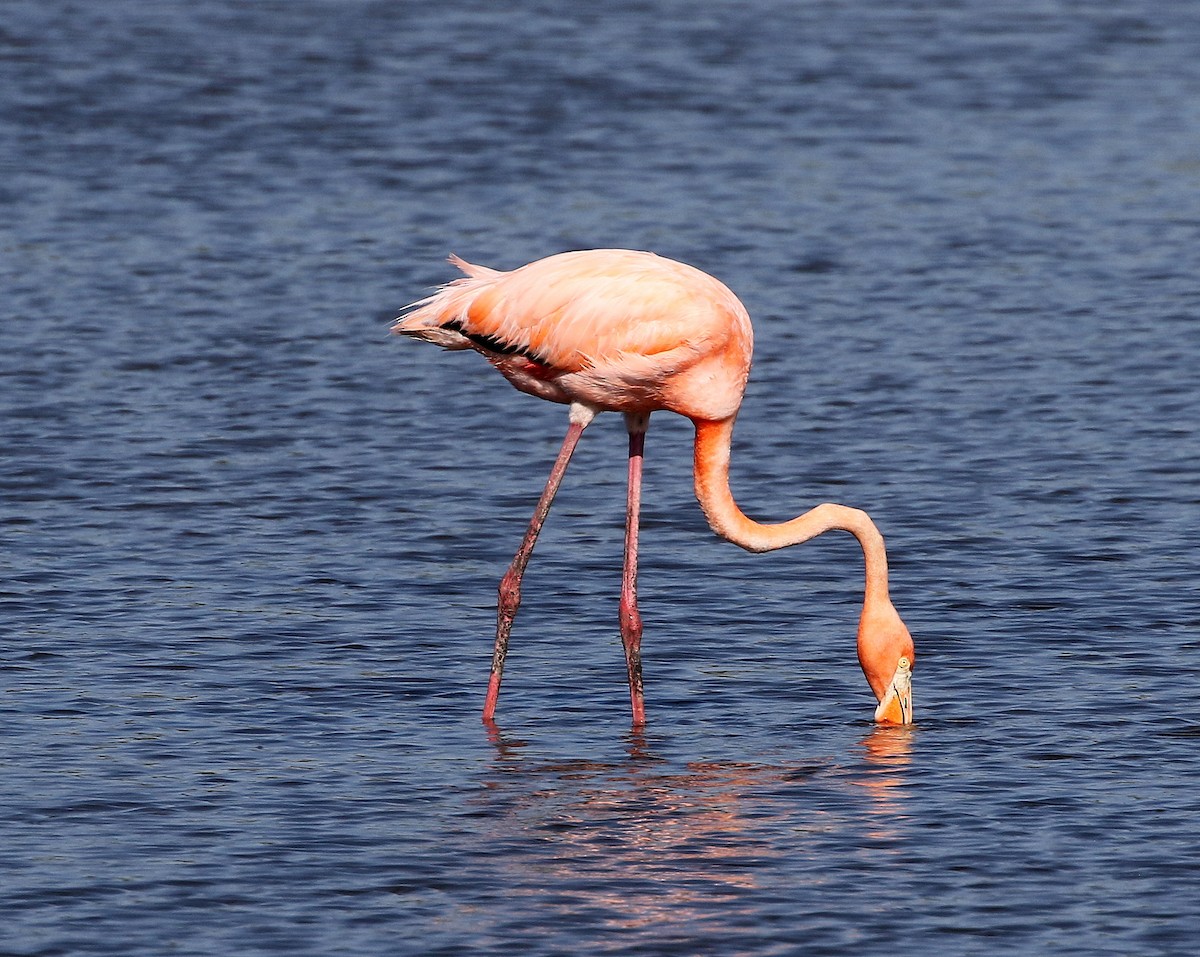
[629,331]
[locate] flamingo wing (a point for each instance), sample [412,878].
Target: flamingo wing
[616,329]
[573,311]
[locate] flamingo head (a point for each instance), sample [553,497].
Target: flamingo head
[885,651]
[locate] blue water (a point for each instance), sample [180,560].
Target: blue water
[249,543]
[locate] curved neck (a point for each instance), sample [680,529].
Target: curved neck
[730,522]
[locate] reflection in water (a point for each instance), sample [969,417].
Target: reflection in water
[644,841]
[889,745]
[888,752]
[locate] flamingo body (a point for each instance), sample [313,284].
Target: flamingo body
[616,329]
[632,332]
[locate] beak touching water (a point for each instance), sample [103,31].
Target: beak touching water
[895,707]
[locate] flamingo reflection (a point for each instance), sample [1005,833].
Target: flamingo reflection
[647,840]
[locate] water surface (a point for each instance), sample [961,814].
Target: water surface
[249,544]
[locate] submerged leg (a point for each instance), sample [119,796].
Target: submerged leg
[631,620]
[510,584]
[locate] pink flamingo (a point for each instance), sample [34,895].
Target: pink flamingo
[624,331]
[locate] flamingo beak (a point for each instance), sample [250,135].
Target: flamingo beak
[895,707]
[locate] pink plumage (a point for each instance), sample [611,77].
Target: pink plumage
[617,329]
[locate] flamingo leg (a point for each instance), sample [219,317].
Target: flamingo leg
[631,620]
[510,584]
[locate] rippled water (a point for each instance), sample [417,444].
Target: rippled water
[250,544]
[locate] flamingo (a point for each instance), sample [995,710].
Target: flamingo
[633,332]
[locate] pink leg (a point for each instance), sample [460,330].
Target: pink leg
[510,584]
[631,620]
